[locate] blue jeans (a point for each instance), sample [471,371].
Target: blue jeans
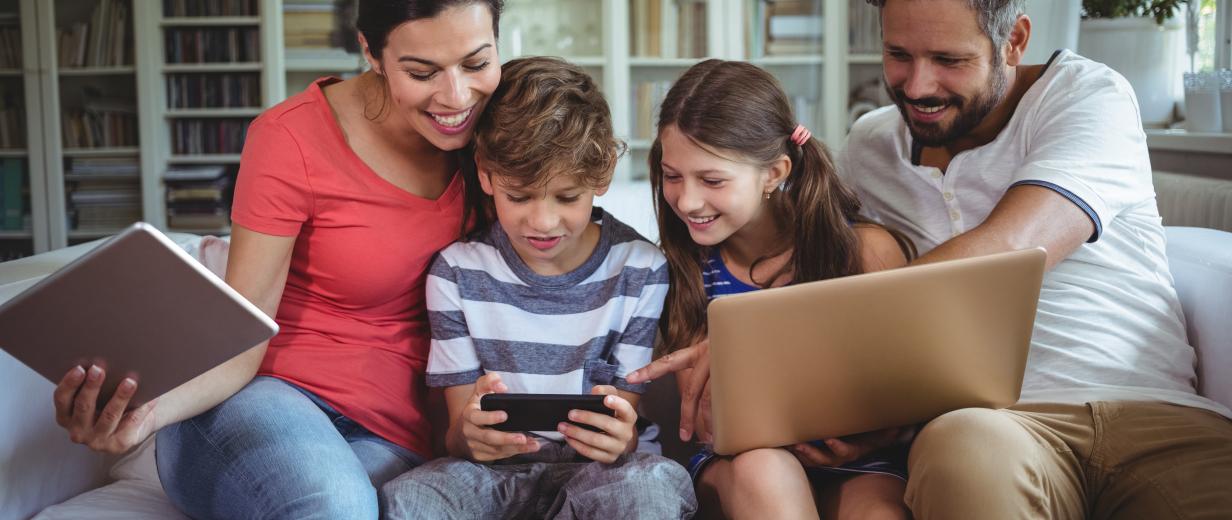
[273,450]
[554,482]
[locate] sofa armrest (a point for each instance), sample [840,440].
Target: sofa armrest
[39,466]
[1201,264]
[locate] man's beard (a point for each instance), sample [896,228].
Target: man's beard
[970,112]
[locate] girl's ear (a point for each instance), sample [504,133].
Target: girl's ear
[777,173]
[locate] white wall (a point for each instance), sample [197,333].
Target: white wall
[1054,25]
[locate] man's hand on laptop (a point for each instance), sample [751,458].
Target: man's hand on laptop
[692,367]
[112,430]
[837,452]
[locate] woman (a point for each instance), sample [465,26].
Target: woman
[345,193]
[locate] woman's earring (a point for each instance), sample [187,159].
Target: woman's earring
[768,195]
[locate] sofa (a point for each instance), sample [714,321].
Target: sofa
[43,474]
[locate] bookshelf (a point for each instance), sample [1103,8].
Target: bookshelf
[219,66]
[168,93]
[18,90]
[821,51]
[319,39]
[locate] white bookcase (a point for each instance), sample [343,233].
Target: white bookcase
[820,80]
[617,41]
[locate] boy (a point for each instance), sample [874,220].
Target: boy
[556,297]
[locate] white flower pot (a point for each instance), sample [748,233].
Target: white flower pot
[1150,56]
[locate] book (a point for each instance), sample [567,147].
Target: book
[13,180]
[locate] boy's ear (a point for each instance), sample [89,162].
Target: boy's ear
[485,179]
[602,189]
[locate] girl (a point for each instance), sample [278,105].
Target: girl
[746,199]
[345,193]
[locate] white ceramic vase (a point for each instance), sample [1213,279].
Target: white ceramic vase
[1149,55]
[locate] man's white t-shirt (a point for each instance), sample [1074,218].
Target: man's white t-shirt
[1109,325]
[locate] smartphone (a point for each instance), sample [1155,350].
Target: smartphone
[541,412]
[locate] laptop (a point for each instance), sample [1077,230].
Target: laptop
[878,350]
[138,306]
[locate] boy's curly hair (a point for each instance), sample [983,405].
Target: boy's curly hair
[547,117]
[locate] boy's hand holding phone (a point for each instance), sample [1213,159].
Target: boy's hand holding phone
[616,436]
[486,444]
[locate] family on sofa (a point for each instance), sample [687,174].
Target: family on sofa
[425,234]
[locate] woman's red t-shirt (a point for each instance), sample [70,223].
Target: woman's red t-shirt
[354,327]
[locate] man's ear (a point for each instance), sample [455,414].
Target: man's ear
[1016,46]
[373,62]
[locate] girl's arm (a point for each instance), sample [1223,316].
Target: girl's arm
[257,267]
[878,249]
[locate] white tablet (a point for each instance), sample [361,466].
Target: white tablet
[137,306]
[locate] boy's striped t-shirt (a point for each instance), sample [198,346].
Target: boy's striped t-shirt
[489,312]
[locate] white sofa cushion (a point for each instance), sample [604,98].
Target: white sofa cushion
[1201,264]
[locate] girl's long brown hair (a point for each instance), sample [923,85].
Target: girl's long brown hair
[736,107]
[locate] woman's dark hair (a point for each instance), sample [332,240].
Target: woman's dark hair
[732,106]
[377,18]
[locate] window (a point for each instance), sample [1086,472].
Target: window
[1212,20]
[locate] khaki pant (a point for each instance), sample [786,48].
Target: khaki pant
[1100,460]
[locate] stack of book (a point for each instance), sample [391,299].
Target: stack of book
[865,23]
[691,29]
[667,28]
[101,123]
[647,96]
[178,8]
[10,41]
[212,136]
[213,45]
[198,198]
[104,41]
[12,118]
[103,204]
[101,168]
[13,195]
[308,24]
[214,90]
[793,28]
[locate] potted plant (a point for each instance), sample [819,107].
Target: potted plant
[1144,41]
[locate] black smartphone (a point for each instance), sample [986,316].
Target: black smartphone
[541,412]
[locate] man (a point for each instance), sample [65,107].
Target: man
[983,154]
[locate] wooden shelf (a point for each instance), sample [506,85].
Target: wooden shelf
[97,71]
[10,72]
[211,67]
[209,21]
[102,152]
[641,61]
[223,158]
[789,60]
[16,234]
[92,233]
[864,59]
[324,63]
[213,112]
[13,152]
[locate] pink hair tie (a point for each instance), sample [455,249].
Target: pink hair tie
[800,135]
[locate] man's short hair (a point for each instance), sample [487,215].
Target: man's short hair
[547,117]
[997,18]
